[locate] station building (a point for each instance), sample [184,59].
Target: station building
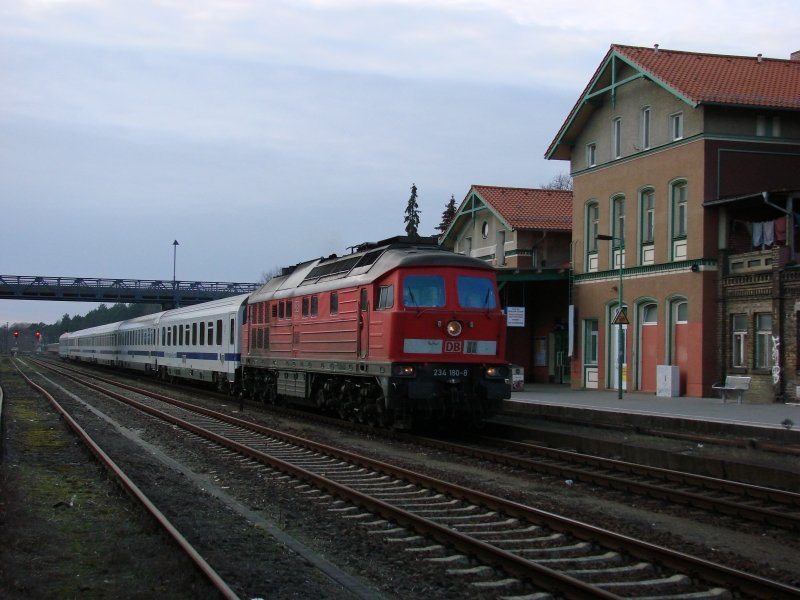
[525,233]
[688,164]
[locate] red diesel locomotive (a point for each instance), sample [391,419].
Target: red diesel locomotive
[396,333]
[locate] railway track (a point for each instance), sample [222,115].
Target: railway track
[135,492]
[775,507]
[453,525]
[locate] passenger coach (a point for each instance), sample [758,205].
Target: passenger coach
[94,345]
[201,342]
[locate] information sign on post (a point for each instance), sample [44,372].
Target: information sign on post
[515,316]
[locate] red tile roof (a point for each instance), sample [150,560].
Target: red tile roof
[526,208]
[720,79]
[697,78]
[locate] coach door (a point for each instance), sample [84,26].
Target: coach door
[363,323]
[229,343]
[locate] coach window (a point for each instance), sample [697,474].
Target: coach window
[201,329]
[174,335]
[180,335]
[210,339]
[314,306]
[334,303]
[233,332]
[163,336]
[194,333]
[220,339]
[386,297]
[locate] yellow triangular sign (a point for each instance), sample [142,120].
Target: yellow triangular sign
[621,318]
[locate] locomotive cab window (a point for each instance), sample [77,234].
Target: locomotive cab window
[423,291]
[475,292]
[386,297]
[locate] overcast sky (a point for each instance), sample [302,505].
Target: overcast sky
[264,133]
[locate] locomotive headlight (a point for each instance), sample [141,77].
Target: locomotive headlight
[454,328]
[404,370]
[495,372]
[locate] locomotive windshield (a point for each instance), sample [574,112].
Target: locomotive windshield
[475,292]
[423,291]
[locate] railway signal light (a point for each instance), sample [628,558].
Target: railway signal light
[38,334]
[16,333]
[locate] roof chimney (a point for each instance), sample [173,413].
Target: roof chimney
[795,55]
[655,48]
[759,57]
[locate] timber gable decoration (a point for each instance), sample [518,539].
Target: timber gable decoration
[507,225]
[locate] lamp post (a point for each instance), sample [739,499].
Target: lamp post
[620,318]
[174,262]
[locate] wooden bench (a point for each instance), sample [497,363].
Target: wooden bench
[734,384]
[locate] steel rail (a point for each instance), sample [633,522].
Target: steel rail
[739,581]
[788,498]
[206,569]
[538,574]
[759,514]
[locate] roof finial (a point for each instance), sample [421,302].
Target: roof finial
[655,48]
[759,56]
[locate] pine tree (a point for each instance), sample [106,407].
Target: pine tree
[412,213]
[448,214]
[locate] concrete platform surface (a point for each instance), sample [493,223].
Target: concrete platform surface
[780,422]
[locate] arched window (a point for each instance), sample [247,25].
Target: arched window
[679,215]
[650,314]
[618,231]
[647,226]
[592,229]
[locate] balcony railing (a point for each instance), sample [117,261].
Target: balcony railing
[750,262]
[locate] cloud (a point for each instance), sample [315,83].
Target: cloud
[260,134]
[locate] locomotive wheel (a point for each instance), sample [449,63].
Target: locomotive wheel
[319,397]
[270,394]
